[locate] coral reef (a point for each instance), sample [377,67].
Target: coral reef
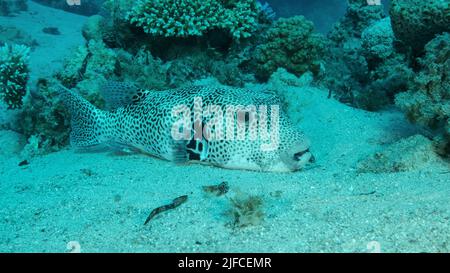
[378,40]
[363,68]
[184,18]
[14,74]
[416,22]
[291,44]
[428,100]
[203,64]
[88,69]
[358,17]
[267,14]
[144,70]
[176,59]
[410,154]
[94,28]
[9,7]
[114,27]
[281,78]
[94,64]
[44,121]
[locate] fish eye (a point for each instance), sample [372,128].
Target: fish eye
[298,155]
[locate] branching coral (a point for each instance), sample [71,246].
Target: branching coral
[416,22]
[428,100]
[184,18]
[14,74]
[291,44]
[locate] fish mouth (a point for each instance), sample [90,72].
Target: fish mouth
[297,157]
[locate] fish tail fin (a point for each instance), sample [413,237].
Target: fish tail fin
[90,125]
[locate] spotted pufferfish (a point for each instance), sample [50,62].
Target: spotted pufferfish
[143,120]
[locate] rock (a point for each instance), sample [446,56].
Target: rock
[93,28]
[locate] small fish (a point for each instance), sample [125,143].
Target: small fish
[144,120]
[217,190]
[175,203]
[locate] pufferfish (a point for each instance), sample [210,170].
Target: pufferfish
[144,120]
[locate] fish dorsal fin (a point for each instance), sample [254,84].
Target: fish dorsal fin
[120,94]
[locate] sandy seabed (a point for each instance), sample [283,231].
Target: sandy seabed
[101,200]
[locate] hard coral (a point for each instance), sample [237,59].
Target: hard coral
[291,44]
[378,40]
[428,100]
[364,69]
[14,74]
[44,121]
[416,22]
[185,18]
[359,16]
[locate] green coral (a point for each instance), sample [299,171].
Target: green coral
[364,69]
[44,120]
[186,18]
[88,69]
[428,100]
[94,28]
[358,17]
[291,44]
[378,40]
[14,74]
[416,22]
[202,64]
[115,28]
[144,70]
